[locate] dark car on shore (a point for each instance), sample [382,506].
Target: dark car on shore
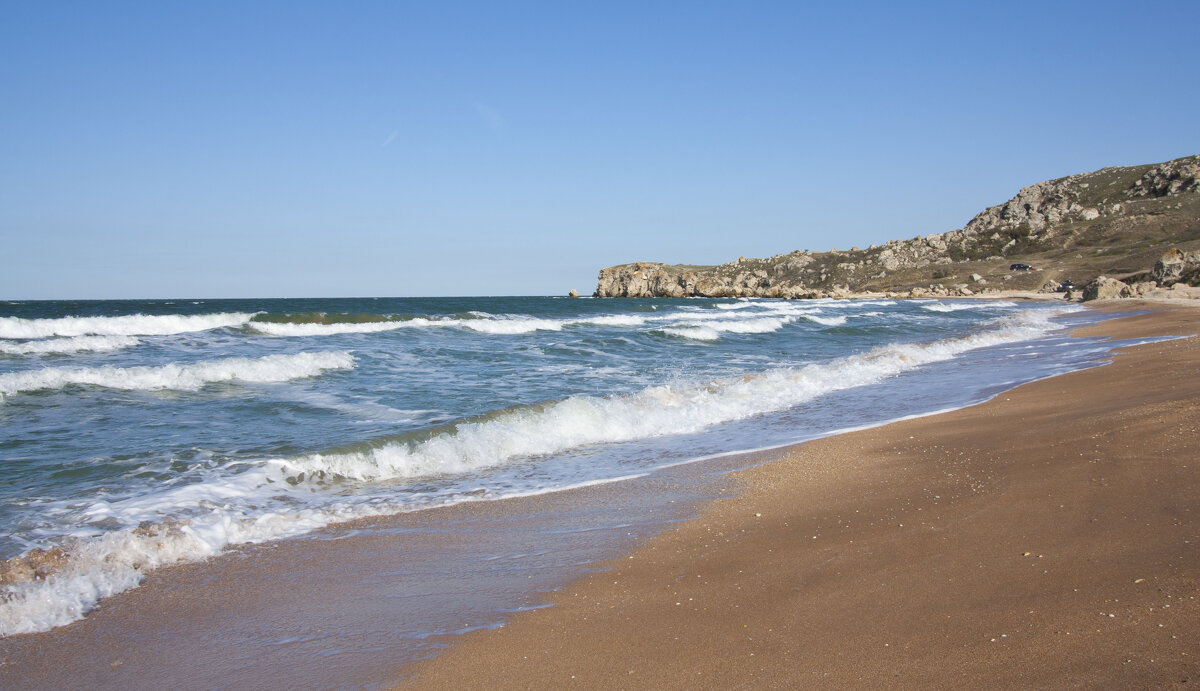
[1020,267]
[1065,286]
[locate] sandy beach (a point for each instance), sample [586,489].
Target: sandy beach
[1045,538]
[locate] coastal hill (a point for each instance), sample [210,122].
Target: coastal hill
[1115,223]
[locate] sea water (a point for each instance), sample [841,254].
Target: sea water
[139,434]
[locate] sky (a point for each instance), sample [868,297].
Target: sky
[302,149]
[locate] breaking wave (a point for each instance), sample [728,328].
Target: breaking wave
[279,497]
[129,325]
[971,305]
[612,320]
[512,325]
[711,330]
[652,412]
[318,329]
[46,588]
[72,344]
[188,377]
[85,570]
[826,321]
[480,322]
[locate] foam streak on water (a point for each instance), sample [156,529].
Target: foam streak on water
[187,377]
[126,325]
[66,346]
[381,406]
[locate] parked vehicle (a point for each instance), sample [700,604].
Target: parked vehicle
[1020,267]
[1065,286]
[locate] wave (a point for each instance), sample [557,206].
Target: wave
[84,570]
[189,377]
[128,325]
[612,320]
[480,322]
[73,344]
[333,328]
[711,329]
[320,317]
[703,324]
[655,411]
[849,304]
[234,509]
[512,325]
[826,321]
[971,305]
[47,588]
[695,333]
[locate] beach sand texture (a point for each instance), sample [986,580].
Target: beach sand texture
[1046,538]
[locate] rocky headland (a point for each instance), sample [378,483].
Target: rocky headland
[1116,232]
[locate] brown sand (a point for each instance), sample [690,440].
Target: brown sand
[1045,538]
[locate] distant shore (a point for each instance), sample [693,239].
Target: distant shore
[1047,537]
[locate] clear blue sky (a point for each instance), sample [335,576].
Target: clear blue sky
[243,149]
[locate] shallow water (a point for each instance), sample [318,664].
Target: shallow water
[138,434]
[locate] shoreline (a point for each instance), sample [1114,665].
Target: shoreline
[910,552]
[261,614]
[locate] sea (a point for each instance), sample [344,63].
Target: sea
[141,434]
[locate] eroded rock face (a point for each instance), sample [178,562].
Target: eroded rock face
[645,279]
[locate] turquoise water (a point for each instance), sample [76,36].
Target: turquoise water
[137,434]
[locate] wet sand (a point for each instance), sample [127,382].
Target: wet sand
[1045,538]
[348,606]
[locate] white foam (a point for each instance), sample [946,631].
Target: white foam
[967,305]
[294,329]
[696,333]
[511,325]
[826,321]
[764,321]
[129,325]
[107,564]
[760,325]
[699,328]
[612,320]
[656,411]
[244,507]
[187,377]
[110,563]
[482,323]
[73,344]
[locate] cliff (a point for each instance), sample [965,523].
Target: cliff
[1115,221]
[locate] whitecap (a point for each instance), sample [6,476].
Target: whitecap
[297,329]
[128,325]
[655,411]
[967,305]
[72,344]
[180,377]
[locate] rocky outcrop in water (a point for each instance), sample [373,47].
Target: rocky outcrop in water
[1085,224]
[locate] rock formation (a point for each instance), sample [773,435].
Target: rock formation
[1176,266]
[1105,288]
[1108,221]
